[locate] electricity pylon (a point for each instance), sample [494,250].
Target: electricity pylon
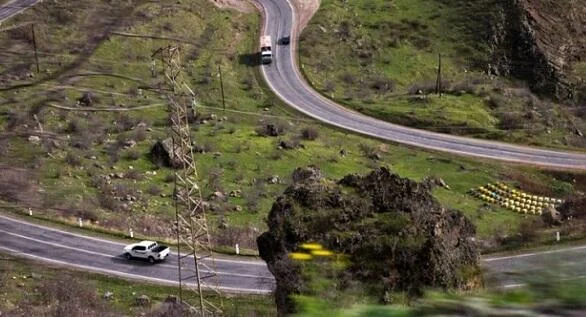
[191,225]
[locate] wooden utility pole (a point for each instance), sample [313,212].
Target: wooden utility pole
[438,83]
[222,87]
[35,47]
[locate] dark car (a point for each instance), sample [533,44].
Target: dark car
[285,40]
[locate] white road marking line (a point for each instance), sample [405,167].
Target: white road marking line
[533,254]
[121,245]
[134,276]
[113,256]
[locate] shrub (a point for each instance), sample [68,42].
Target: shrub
[73,159]
[76,125]
[132,155]
[108,202]
[140,134]
[169,178]
[134,174]
[154,190]
[425,87]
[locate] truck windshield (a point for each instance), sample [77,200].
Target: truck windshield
[152,246]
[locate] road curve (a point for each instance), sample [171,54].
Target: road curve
[104,256]
[61,248]
[284,78]
[15,6]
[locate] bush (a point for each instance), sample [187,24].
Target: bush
[381,84]
[272,128]
[108,202]
[132,155]
[66,296]
[154,190]
[425,87]
[310,133]
[169,178]
[134,174]
[73,159]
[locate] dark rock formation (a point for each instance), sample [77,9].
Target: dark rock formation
[397,236]
[162,154]
[539,41]
[573,208]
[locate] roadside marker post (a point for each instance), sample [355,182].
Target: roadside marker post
[131,233]
[30,212]
[80,222]
[557,236]
[237,249]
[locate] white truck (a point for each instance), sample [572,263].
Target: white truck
[266,54]
[148,250]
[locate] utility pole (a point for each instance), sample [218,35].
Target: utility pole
[438,83]
[222,87]
[190,221]
[35,47]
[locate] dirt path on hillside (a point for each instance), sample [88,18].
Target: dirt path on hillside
[305,10]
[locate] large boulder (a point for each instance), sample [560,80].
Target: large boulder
[163,154]
[396,234]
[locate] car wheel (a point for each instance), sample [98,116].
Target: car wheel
[127,256]
[151,260]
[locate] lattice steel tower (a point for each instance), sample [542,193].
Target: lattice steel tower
[191,225]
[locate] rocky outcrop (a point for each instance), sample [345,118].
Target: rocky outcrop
[396,234]
[163,154]
[539,41]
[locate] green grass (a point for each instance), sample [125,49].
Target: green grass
[20,289]
[369,55]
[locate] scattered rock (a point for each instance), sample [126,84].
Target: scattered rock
[129,143]
[213,116]
[343,152]
[375,156]
[578,132]
[223,224]
[273,179]
[238,208]
[34,139]
[162,154]
[108,295]
[217,154]
[87,99]
[442,183]
[143,300]
[306,174]
[219,195]
[235,193]
[35,276]
[290,145]
[172,299]
[141,125]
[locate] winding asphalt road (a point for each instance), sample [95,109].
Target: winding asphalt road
[104,256]
[15,6]
[66,249]
[285,80]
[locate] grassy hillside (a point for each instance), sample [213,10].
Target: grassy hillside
[95,55]
[381,58]
[30,290]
